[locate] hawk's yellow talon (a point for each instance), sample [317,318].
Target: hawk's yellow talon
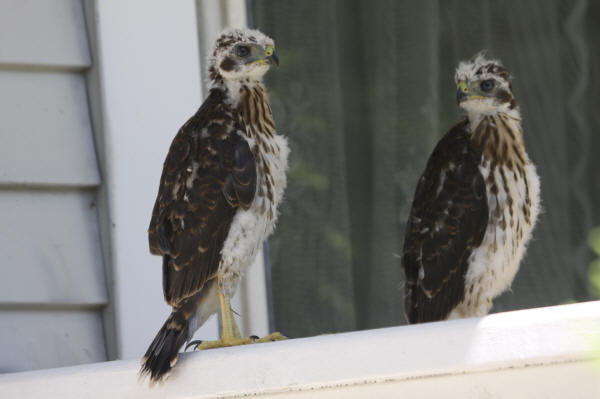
[203,345]
[231,334]
[276,336]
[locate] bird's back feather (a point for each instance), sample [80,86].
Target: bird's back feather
[208,174]
[447,221]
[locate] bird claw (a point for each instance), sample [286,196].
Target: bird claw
[192,343]
[276,336]
[252,339]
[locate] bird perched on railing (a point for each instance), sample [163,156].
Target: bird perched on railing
[222,182]
[475,205]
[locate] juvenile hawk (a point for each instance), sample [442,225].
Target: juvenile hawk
[222,181]
[475,205]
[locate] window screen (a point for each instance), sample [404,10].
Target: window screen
[364,91]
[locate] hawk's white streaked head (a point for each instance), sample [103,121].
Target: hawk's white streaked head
[242,54]
[484,87]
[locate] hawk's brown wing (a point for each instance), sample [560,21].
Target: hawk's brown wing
[448,219]
[209,172]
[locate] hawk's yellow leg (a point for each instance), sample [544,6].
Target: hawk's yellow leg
[230,335]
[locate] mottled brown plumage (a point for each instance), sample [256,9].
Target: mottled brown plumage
[222,180]
[447,221]
[209,172]
[475,205]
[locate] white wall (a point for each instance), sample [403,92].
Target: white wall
[148,76]
[150,84]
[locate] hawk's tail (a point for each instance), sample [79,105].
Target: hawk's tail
[161,356]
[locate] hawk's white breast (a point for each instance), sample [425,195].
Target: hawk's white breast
[514,204]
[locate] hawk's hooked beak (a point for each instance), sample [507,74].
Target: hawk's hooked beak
[462,93]
[271,58]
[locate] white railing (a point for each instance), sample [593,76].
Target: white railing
[536,353]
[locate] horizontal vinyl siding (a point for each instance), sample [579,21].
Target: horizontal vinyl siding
[37,339]
[43,33]
[49,246]
[52,278]
[45,130]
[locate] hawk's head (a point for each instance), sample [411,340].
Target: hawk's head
[242,54]
[484,86]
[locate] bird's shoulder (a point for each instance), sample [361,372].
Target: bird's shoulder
[453,160]
[447,220]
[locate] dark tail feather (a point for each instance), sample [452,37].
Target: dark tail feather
[161,356]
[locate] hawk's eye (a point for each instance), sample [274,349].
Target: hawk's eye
[242,51]
[487,85]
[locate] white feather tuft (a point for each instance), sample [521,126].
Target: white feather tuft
[466,70]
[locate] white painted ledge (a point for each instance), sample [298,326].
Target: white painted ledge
[536,353]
